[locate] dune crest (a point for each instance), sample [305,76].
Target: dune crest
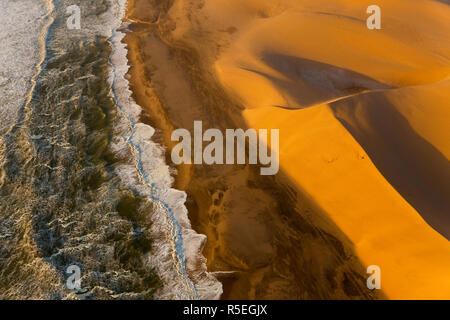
[295,54]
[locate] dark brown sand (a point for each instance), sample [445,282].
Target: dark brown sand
[266,238]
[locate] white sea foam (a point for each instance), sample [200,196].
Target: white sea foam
[22,24]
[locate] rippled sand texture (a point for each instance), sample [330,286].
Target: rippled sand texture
[363,118]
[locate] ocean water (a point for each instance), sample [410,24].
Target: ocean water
[81,182]
[22,24]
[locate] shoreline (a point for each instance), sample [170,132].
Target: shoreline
[254,226]
[186,243]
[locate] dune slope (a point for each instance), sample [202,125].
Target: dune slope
[376,157]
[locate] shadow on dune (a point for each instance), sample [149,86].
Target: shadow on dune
[414,167]
[278,243]
[308,82]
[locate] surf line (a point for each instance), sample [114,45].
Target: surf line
[174,228]
[43,38]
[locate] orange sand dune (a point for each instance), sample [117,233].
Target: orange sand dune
[363,115]
[309,54]
[331,166]
[375,157]
[405,132]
